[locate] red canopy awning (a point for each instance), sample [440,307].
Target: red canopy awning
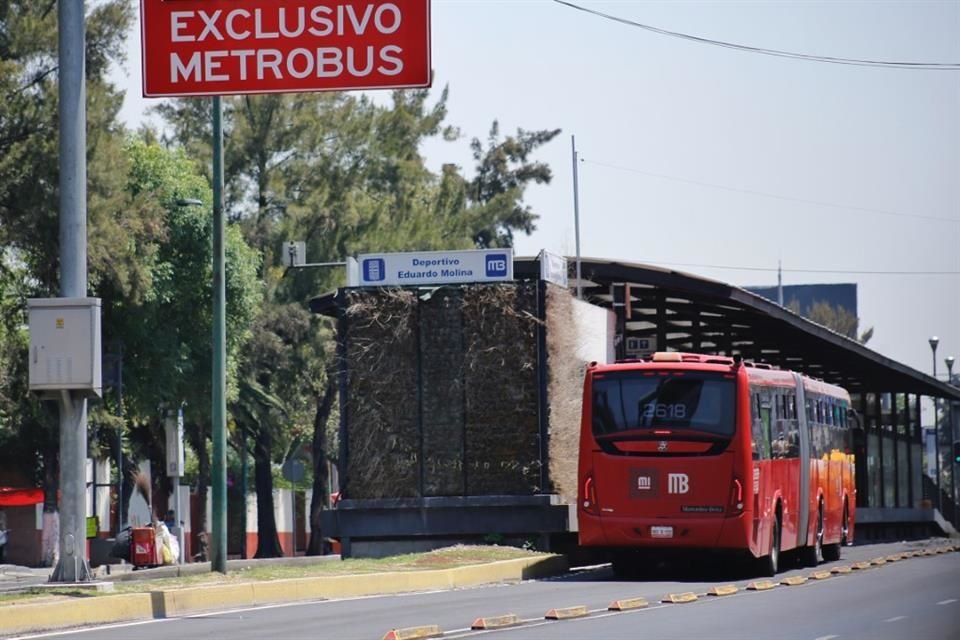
[10,497]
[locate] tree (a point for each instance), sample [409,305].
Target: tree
[836,318]
[503,172]
[166,330]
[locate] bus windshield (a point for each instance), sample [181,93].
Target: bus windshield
[638,400]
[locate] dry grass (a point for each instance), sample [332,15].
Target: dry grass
[564,391]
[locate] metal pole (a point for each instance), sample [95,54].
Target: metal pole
[576,213]
[72,564]
[243,489]
[219,412]
[951,436]
[936,428]
[119,391]
[179,521]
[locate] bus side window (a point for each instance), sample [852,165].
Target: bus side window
[780,438]
[760,447]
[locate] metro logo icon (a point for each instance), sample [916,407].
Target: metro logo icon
[374,270]
[497,265]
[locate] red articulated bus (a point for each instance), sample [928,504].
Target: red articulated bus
[687,452]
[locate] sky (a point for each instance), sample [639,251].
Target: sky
[720,162]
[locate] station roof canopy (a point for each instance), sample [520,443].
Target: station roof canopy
[684,312]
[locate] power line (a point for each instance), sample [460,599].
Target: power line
[830,271]
[771,195]
[890,64]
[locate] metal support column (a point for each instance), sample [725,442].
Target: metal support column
[72,565]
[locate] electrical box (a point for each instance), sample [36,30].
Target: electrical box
[294,253]
[65,345]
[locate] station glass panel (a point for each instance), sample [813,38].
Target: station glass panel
[903,475]
[873,469]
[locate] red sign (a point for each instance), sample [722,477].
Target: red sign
[224,47]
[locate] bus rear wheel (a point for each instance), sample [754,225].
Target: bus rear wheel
[770,563]
[831,552]
[814,555]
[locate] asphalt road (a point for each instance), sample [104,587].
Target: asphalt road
[917,598]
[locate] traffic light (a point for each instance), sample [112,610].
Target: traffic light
[956,451]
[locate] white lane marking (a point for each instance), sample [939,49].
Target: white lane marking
[826,637]
[895,618]
[68,632]
[950,601]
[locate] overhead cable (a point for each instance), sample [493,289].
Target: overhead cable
[772,195]
[890,64]
[830,271]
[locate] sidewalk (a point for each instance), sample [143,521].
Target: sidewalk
[111,608]
[14,577]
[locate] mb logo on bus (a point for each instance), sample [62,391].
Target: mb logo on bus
[678,483]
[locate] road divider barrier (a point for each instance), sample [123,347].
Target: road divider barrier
[793,581]
[861,566]
[877,562]
[761,585]
[723,590]
[680,598]
[496,622]
[414,633]
[566,613]
[629,603]
[820,575]
[845,569]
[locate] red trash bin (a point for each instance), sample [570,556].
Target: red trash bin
[143,547]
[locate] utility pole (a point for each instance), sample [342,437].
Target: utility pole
[72,565]
[576,213]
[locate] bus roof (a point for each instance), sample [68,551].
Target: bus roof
[756,372]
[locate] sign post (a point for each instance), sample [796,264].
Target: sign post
[174,440]
[228,47]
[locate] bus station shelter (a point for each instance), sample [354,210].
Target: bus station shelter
[658,309]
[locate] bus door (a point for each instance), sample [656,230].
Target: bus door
[663,453]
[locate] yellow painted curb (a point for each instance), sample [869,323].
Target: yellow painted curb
[793,581]
[680,598]
[723,590]
[496,622]
[414,633]
[17,617]
[629,603]
[566,613]
[761,585]
[860,566]
[820,575]
[894,558]
[877,562]
[843,569]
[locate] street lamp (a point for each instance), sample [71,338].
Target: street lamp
[934,341]
[949,362]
